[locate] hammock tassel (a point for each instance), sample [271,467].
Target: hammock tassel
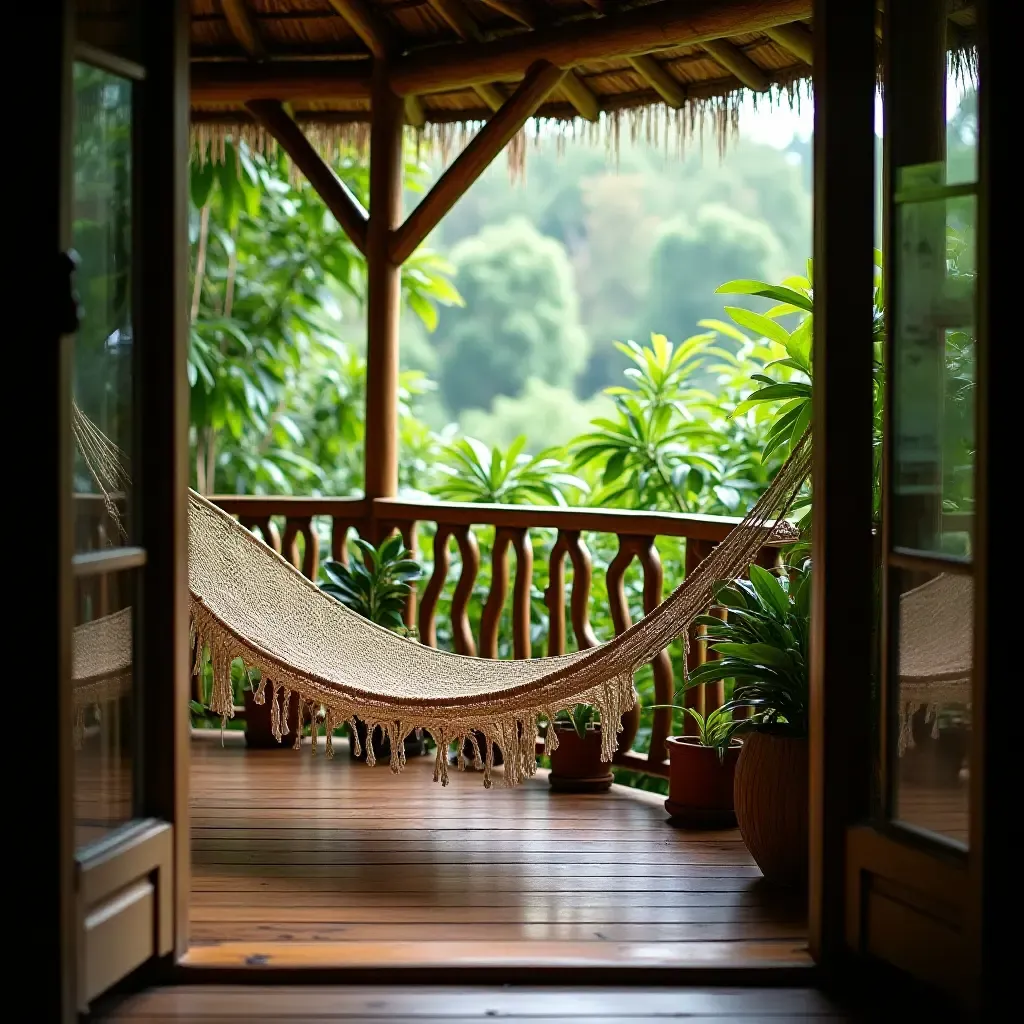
[298,726]
[550,733]
[371,755]
[285,701]
[478,760]
[275,714]
[353,737]
[329,726]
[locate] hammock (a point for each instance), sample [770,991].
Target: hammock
[248,602]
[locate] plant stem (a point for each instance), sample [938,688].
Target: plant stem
[197,286]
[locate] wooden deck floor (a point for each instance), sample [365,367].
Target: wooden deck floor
[468,1005]
[299,861]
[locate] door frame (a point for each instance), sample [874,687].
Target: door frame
[850,853]
[153,850]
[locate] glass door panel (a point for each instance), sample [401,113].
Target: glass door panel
[106,566]
[931,451]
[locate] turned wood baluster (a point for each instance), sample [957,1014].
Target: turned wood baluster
[518,539]
[308,560]
[696,552]
[629,547]
[432,591]
[339,539]
[661,665]
[569,543]
[408,531]
[268,531]
[469,552]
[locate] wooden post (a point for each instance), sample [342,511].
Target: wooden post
[841,616]
[383,290]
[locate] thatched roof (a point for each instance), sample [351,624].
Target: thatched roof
[455,61]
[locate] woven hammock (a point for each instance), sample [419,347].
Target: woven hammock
[248,602]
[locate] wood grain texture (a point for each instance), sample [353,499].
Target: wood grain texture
[318,862]
[640,31]
[293,1003]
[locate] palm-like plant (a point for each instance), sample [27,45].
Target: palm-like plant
[658,452]
[763,648]
[377,585]
[473,472]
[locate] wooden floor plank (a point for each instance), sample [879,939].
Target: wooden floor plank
[305,862]
[295,1004]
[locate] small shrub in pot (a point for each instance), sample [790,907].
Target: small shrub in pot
[576,765]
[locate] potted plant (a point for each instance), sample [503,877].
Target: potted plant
[702,769]
[762,647]
[376,586]
[576,765]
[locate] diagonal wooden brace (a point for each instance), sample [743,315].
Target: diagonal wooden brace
[347,210]
[541,79]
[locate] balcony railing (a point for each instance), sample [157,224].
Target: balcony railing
[300,528]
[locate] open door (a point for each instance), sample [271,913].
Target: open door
[121,571]
[898,766]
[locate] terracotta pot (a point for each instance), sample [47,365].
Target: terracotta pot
[414,747]
[771,804]
[257,724]
[576,766]
[700,784]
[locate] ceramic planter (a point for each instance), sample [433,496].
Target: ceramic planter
[700,784]
[771,804]
[576,766]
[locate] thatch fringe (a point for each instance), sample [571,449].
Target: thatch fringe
[654,123]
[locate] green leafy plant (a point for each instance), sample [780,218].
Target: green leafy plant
[658,451]
[377,585]
[763,648]
[580,717]
[474,472]
[717,730]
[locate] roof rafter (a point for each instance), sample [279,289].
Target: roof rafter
[243,28]
[519,10]
[240,82]
[797,39]
[578,93]
[670,89]
[541,79]
[733,59]
[639,31]
[368,24]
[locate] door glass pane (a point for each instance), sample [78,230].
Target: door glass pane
[933,623]
[102,237]
[102,677]
[102,670]
[933,349]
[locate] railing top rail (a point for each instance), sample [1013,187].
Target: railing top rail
[607,520]
[259,505]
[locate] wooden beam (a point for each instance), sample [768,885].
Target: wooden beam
[491,95]
[525,13]
[538,84]
[580,96]
[347,210]
[239,83]
[669,23]
[670,89]
[383,298]
[368,24]
[598,6]
[243,29]
[733,59]
[796,38]
[415,115]
[461,22]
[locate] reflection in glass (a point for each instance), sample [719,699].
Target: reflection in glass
[101,236]
[103,701]
[933,356]
[934,653]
